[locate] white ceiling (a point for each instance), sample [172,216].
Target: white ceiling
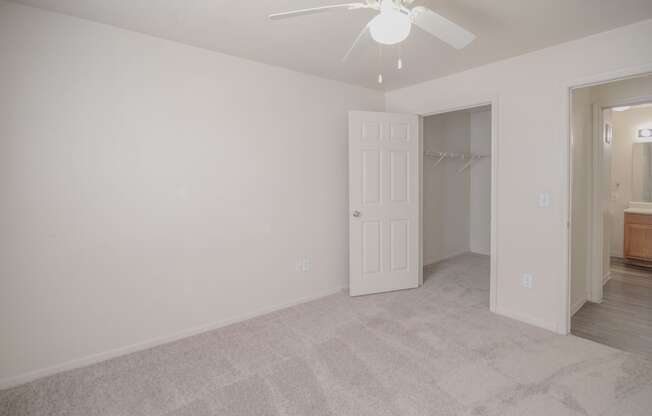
[315,44]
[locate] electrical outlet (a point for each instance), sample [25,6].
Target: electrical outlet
[303,264]
[526,280]
[544,200]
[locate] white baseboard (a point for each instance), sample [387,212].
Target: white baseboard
[606,278]
[106,355]
[530,320]
[578,304]
[430,262]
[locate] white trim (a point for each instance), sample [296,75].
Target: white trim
[493,288]
[564,324]
[103,356]
[606,278]
[465,104]
[576,307]
[421,206]
[550,326]
[596,213]
[623,73]
[430,262]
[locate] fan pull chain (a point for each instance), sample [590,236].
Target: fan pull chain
[399,63]
[380,64]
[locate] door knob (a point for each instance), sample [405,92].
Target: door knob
[356,214]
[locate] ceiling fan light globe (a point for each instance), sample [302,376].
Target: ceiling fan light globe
[390,27]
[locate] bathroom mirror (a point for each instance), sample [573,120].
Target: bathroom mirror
[642,172]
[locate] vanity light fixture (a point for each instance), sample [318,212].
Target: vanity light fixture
[623,108]
[645,133]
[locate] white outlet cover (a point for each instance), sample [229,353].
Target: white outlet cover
[526,280]
[544,200]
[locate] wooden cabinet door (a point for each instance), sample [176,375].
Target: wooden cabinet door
[638,238]
[648,243]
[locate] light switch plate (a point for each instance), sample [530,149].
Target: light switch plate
[306,265]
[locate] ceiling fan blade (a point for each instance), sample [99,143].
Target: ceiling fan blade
[364,34]
[322,9]
[442,28]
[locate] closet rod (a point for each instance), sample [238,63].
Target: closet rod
[452,155]
[471,157]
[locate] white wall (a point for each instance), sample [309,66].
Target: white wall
[625,125]
[151,189]
[480,188]
[532,155]
[446,192]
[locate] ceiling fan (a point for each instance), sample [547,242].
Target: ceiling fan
[394,21]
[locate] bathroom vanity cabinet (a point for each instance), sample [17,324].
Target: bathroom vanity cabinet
[638,236]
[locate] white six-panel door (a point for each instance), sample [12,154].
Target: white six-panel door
[383,202]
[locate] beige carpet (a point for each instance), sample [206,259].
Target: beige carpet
[436,350]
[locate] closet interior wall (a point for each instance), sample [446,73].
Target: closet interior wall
[457,201]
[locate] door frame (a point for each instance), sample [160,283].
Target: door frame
[565,316]
[598,276]
[486,100]
[596,230]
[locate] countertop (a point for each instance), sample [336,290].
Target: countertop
[643,211]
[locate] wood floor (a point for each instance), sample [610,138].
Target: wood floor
[624,319]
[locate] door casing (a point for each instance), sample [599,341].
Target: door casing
[564,324]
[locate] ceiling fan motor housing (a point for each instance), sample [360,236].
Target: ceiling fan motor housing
[391,25]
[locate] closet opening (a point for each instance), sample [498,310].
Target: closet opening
[457,204]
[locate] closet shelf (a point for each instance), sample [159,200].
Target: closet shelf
[471,157]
